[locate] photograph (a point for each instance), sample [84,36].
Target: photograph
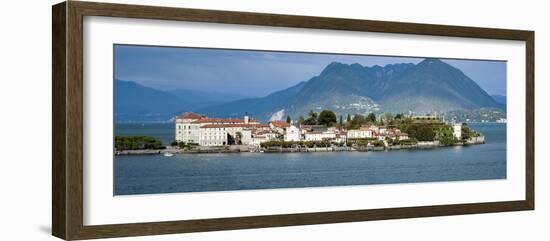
[190,119]
[220,122]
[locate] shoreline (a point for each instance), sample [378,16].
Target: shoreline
[254,149]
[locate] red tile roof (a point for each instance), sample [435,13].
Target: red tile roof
[220,120]
[224,120]
[230,125]
[281,124]
[190,115]
[258,133]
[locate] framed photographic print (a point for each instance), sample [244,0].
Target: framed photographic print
[171,120]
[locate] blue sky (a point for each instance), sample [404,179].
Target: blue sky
[258,73]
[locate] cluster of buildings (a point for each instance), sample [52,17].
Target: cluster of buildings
[376,132]
[205,131]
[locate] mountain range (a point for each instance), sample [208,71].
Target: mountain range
[429,86]
[138,103]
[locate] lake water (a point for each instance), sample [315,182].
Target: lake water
[148,174]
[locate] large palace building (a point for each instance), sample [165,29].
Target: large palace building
[195,128]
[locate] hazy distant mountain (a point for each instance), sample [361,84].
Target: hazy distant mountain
[198,99]
[138,103]
[429,86]
[257,107]
[501,99]
[134,102]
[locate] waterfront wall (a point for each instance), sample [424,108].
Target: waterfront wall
[249,148]
[476,140]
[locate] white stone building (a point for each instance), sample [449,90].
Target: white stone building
[246,138]
[292,133]
[360,133]
[185,130]
[457,130]
[402,136]
[188,127]
[319,136]
[225,134]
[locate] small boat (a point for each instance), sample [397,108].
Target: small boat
[168,154]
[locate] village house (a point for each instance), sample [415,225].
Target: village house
[382,130]
[371,127]
[341,137]
[361,133]
[279,126]
[260,136]
[402,136]
[393,134]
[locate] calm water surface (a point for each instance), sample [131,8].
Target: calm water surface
[148,174]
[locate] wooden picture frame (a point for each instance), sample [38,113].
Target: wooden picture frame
[67,123]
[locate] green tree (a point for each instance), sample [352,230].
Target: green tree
[301,120]
[326,117]
[421,132]
[348,119]
[399,116]
[403,123]
[371,117]
[388,119]
[137,143]
[356,122]
[341,121]
[445,136]
[288,119]
[466,132]
[181,145]
[312,118]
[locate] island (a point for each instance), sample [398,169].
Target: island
[317,132]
